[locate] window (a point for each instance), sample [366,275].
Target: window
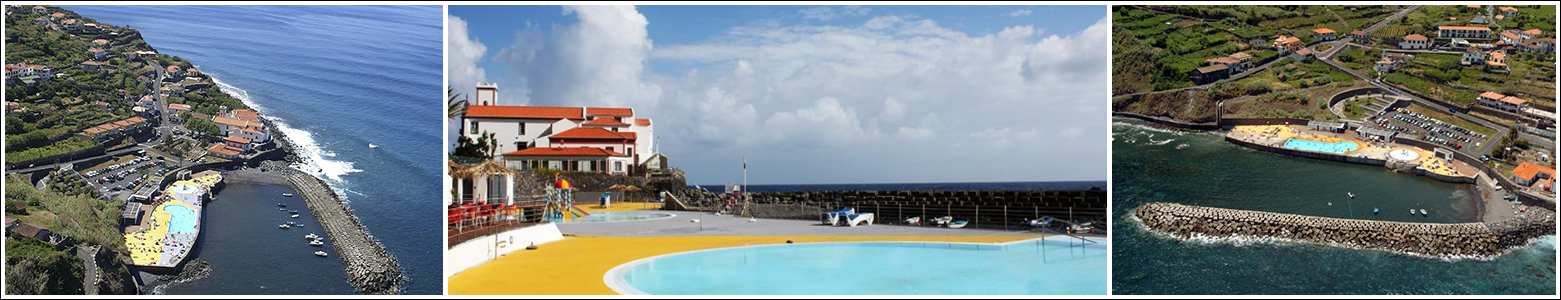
[522,129]
[474,126]
[617,166]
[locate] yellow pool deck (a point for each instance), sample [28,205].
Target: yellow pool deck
[575,265]
[146,246]
[1276,135]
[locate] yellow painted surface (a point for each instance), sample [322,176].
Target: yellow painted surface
[626,206]
[575,265]
[146,246]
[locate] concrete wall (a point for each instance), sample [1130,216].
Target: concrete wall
[1227,123]
[477,251]
[984,209]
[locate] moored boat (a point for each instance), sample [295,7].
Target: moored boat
[283,226]
[320,253]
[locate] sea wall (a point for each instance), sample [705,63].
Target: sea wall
[365,262]
[1445,240]
[983,209]
[474,252]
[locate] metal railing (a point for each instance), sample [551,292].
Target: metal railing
[995,217]
[473,217]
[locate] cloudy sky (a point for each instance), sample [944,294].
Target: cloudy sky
[817,94]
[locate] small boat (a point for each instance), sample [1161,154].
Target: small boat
[372,145]
[1182,146]
[1422,212]
[316,243]
[1352,195]
[958,224]
[283,226]
[286,195]
[295,216]
[320,253]
[1373,210]
[1330,203]
[281,203]
[1411,211]
[291,223]
[311,236]
[281,209]
[293,211]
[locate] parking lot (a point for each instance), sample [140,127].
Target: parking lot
[1428,129]
[119,180]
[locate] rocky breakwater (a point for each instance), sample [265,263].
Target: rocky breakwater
[366,263]
[1482,240]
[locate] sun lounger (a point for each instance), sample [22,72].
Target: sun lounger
[855,219]
[833,218]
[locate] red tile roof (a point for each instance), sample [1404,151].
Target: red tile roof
[592,133]
[1492,95]
[1513,100]
[526,112]
[611,122]
[1509,34]
[584,151]
[1322,31]
[1358,32]
[244,114]
[1528,171]
[642,122]
[1416,37]
[221,120]
[1465,28]
[609,111]
[236,139]
[1533,31]
[178,106]
[1507,8]
[223,149]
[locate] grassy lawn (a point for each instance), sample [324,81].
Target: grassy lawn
[1354,108]
[1452,120]
[41,218]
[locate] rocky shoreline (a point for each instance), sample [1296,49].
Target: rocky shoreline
[1479,240]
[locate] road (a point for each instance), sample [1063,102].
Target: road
[89,264]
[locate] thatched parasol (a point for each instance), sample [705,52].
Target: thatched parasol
[486,168]
[623,188]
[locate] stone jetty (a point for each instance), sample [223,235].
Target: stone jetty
[367,265]
[1441,240]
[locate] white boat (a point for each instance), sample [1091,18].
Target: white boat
[1352,195]
[372,145]
[283,226]
[1411,211]
[1182,146]
[291,223]
[311,236]
[1422,212]
[295,216]
[316,243]
[320,253]
[958,224]
[287,194]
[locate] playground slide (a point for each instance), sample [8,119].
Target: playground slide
[577,212]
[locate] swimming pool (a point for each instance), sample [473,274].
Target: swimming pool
[607,217]
[1340,147]
[1033,267]
[181,219]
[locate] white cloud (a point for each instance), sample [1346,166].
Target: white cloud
[826,13]
[597,61]
[891,98]
[1020,13]
[465,51]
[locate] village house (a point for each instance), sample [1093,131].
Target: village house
[1474,32]
[1539,45]
[1497,62]
[223,150]
[1302,55]
[97,53]
[1479,19]
[618,133]
[1527,174]
[1473,56]
[1528,34]
[1385,66]
[1324,34]
[1509,11]
[1287,44]
[237,142]
[1502,102]
[175,72]
[1415,42]
[1511,37]
[1471,7]
[40,10]
[70,24]
[1360,37]
[1208,74]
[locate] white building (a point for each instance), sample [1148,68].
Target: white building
[1415,42]
[517,128]
[1502,102]
[1475,32]
[1473,56]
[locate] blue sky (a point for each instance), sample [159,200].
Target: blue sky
[817,94]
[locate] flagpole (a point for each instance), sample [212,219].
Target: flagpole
[745,185]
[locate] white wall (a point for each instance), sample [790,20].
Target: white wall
[480,250]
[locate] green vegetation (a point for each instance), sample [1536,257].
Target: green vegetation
[87,220]
[202,126]
[1164,53]
[33,267]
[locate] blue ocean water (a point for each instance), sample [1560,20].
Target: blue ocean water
[1147,167]
[1059,267]
[334,79]
[968,186]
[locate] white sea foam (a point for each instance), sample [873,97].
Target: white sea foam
[303,142]
[1157,143]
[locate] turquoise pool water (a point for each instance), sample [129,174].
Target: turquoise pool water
[1339,147]
[181,219]
[605,217]
[1035,267]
